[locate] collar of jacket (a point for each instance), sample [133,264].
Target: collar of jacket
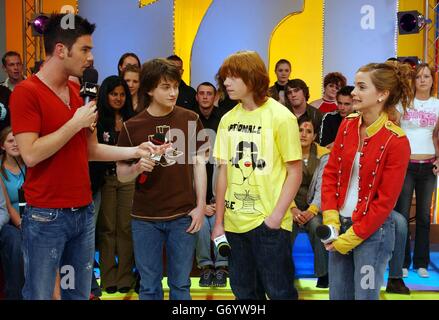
[376,125]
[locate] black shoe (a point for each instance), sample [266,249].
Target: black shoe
[397,286]
[111,289]
[124,289]
[220,279]
[323,282]
[206,277]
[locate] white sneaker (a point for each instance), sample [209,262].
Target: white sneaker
[405,272]
[423,273]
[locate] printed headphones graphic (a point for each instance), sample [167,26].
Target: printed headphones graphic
[255,162]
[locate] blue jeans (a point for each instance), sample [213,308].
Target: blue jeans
[203,253]
[58,239]
[148,240]
[320,253]
[419,178]
[260,264]
[12,261]
[359,274]
[397,261]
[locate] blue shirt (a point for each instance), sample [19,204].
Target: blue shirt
[14,182]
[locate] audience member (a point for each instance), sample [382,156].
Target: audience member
[213,270]
[131,75]
[332,82]
[13,66]
[331,121]
[306,209]
[297,96]
[418,122]
[12,171]
[283,72]
[126,59]
[114,239]
[186,94]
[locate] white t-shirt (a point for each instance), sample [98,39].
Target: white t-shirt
[351,199]
[418,123]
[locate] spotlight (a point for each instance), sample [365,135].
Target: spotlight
[410,22]
[37,24]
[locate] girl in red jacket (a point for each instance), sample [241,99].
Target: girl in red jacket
[362,182]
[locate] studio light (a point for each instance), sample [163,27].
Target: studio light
[37,24]
[410,22]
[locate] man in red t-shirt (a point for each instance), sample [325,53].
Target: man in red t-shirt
[52,129]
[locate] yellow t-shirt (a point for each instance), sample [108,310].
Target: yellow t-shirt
[256,145]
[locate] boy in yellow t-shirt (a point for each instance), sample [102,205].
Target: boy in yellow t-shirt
[259,156]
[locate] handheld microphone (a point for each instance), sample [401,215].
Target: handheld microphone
[222,245]
[89,89]
[158,139]
[326,233]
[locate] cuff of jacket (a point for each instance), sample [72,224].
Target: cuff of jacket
[293,205]
[314,209]
[347,241]
[332,217]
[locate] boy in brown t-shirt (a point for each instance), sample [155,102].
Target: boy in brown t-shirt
[169,202]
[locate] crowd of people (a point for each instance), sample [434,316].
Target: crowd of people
[154,171]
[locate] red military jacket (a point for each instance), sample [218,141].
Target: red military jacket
[384,158]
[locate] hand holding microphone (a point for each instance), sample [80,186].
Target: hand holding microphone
[222,245]
[85,116]
[327,233]
[89,92]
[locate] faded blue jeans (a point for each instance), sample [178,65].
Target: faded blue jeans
[202,253]
[261,264]
[359,274]
[55,239]
[148,240]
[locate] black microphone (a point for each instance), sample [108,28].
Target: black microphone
[89,89]
[158,139]
[326,233]
[222,245]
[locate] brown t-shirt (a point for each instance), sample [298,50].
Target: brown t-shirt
[168,192]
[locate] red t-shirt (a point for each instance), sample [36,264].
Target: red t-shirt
[61,181]
[327,106]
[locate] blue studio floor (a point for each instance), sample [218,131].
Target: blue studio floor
[304,263]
